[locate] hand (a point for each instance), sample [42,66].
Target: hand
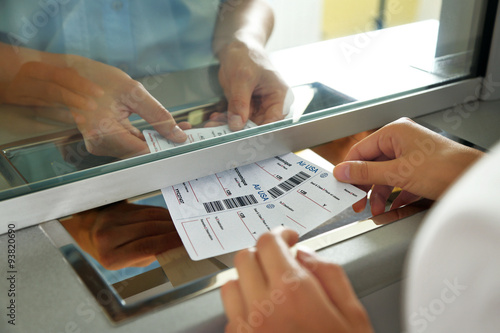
[106,128]
[45,85]
[123,235]
[253,88]
[406,155]
[277,293]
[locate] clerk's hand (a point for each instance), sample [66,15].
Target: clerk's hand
[123,235]
[45,85]
[252,86]
[106,128]
[406,155]
[277,293]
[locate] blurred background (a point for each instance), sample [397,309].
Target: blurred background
[301,22]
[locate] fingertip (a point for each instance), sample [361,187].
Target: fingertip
[288,235]
[359,206]
[184,125]
[308,258]
[377,209]
[235,122]
[342,172]
[136,132]
[305,254]
[177,135]
[378,199]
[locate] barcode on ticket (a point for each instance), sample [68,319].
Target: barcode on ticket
[230,203]
[288,184]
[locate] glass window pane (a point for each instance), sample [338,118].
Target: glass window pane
[81,80]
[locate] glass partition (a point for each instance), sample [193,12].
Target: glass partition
[80,81]
[92,88]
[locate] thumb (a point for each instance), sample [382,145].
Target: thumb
[367,173]
[289,236]
[239,100]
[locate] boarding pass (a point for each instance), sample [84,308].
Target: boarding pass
[229,210]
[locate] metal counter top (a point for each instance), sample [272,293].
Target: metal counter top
[50,297]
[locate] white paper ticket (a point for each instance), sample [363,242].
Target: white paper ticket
[157,143]
[229,210]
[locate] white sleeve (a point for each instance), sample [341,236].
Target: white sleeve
[453,270]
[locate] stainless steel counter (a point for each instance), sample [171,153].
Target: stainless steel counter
[50,297]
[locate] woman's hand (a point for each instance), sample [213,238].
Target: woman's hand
[406,155]
[277,293]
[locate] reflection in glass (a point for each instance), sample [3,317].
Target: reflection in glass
[80,81]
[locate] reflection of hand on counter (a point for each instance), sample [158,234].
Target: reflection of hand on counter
[303,294]
[123,235]
[252,86]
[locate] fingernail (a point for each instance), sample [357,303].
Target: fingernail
[305,254]
[343,172]
[179,134]
[304,250]
[235,121]
[377,204]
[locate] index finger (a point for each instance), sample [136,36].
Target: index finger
[368,149]
[384,144]
[68,78]
[154,113]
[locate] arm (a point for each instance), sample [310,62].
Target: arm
[33,78]
[100,98]
[250,22]
[406,155]
[253,88]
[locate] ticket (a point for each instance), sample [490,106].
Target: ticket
[229,210]
[157,143]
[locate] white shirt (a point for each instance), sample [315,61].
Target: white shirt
[453,269]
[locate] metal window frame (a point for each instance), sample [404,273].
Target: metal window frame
[492,73]
[67,199]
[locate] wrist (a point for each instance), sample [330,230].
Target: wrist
[240,41]
[239,51]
